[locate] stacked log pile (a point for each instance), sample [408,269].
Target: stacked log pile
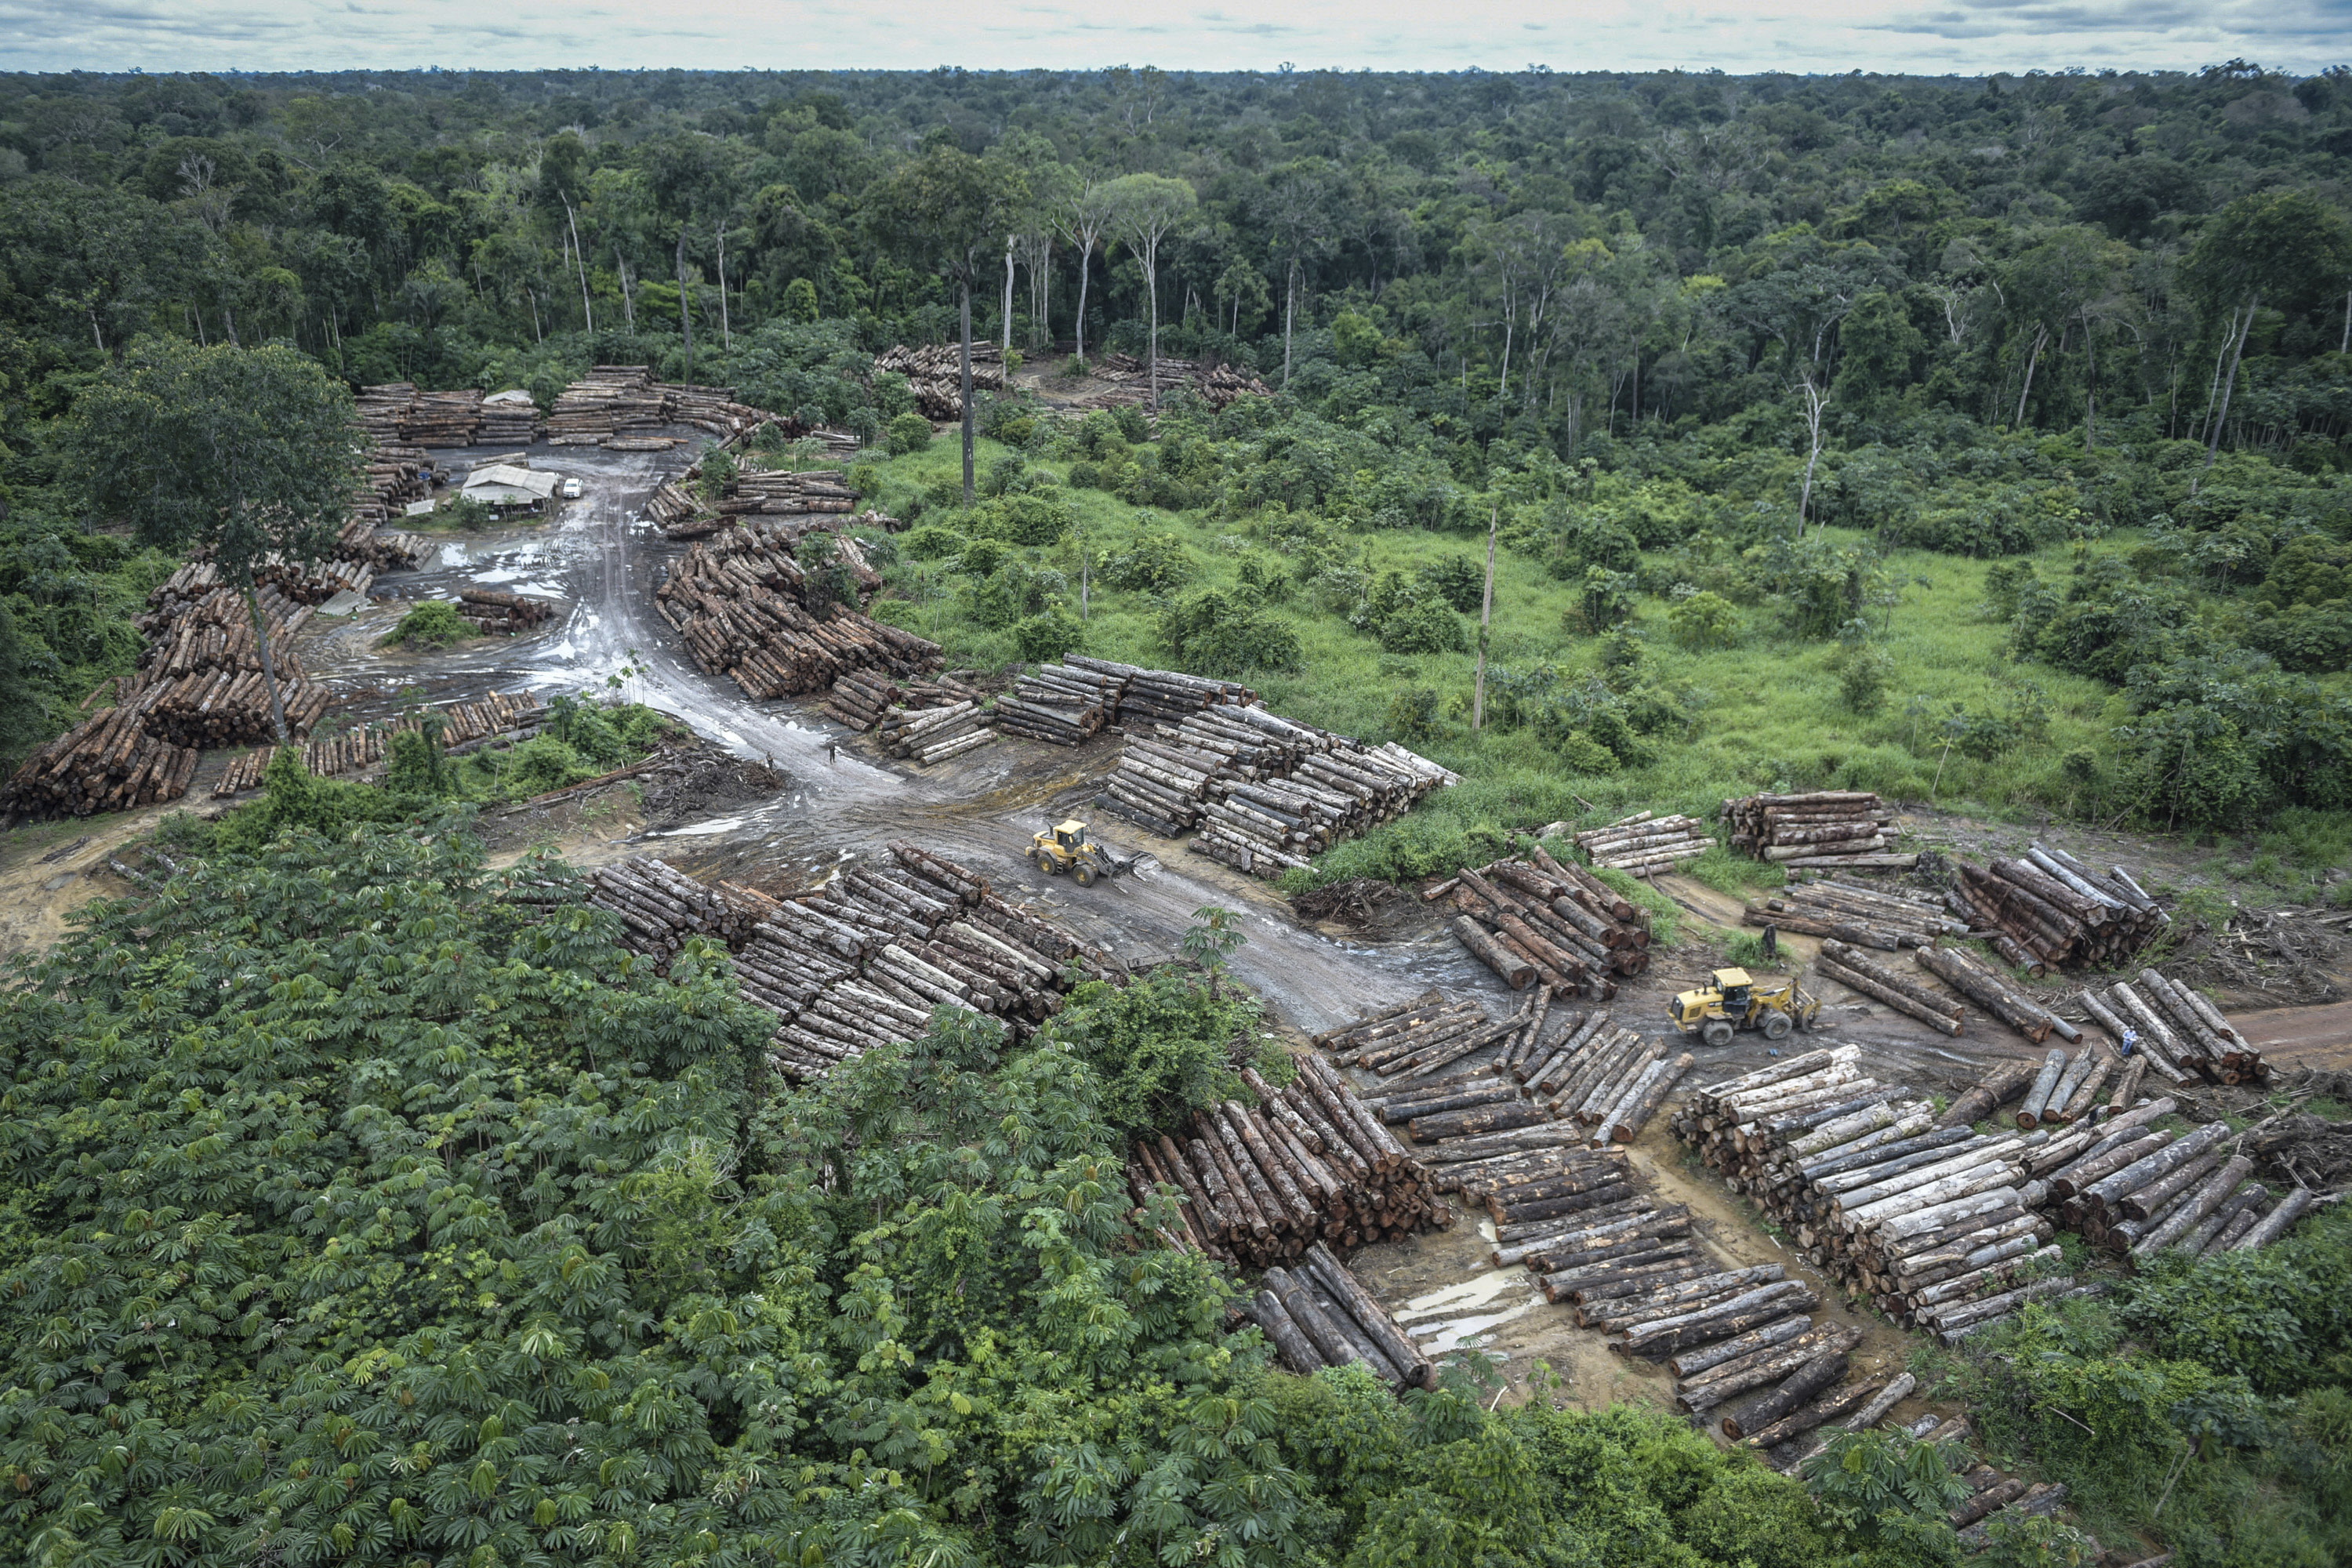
[935,374]
[496,612]
[1306,1167]
[1164,695]
[1646,844]
[1130,381]
[2135,1189]
[611,402]
[1546,920]
[935,734]
[1318,1315]
[736,600]
[508,420]
[2047,909]
[1822,828]
[1865,917]
[1936,1225]
[1856,970]
[681,512]
[1061,703]
[442,418]
[2177,1029]
[464,725]
[205,683]
[709,408]
[110,762]
[380,409]
[1992,991]
[660,906]
[860,699]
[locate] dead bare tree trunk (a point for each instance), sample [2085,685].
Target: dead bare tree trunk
[2229,382]
[268,664]
[968,422]
[1485,620]
[685,317]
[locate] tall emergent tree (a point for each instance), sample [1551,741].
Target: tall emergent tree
[247,454]
[947,210]
[2282,246]
[1146,207]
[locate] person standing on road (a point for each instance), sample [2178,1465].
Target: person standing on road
[832,753]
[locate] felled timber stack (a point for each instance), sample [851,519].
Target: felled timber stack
[2178,1030]
[1304,1167]
[709,408]
[1856,970]
[508,419]
[1546,920]
[443,418]
[1286,791]
[660,908]
[1646,844]
[464,725]
[2133,1189]
[785,491]
[935,374]
[390,552]
[380,409]
[2049,909]
[1824,828]
[1131,380]
[1865,917]
[1991,991]
[1319,1315]
[860,699]
[1165,695]
[1061,703]
[110,762]
[497,613]
[612,401]
[736,600]
[205,686]
[934,734]
[1933,1225]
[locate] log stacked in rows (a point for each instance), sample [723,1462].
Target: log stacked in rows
[2133,1188]
[715,410]
[612,401]
[1646,844]
[934,734]
[1993,991]
[1857,970]
[1934,1224]
[1882,918]
[682,511]
[1546,920]
[1318,1315]
[661,908]
[390,478]
[443,418]
[380,409]
[1166,696]
[1822,828]
[935,374]
[110,762]
[2177,1029]
[496,612]
[204,681]
[860,699]
[1130,382]
[508,421]
[464,725]
[1060,703]
[2047,909]
[736,601]
[1306,1167]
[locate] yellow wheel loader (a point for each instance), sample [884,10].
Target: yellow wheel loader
[1734,1001]
[1064,848]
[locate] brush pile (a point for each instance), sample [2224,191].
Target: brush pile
[493,612]
[110,762]
[1934,1224]
[737,600]
[935,734]
[2177,1029]
[2049,910]
[935,374]
[464,726]
[1867,917]
[1307,1165]
[1546,920]
[1824,828]
[1318,1315]
[860,699]
[1646,844]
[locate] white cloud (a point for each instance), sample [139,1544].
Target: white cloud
[1824,36]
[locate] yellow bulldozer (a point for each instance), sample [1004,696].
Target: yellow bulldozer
[1733,1000]
[1064,848]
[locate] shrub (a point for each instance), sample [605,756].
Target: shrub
[1864,675]
[1026,520]
[467,512]
[1412,714]
[1216,633]
[1704,620]
[931,542]
[432,623]
[907,433]
[1154,563]
[1042,639]
[1427,626]
[1456,579]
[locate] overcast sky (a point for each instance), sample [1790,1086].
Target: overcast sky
[1931,36]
